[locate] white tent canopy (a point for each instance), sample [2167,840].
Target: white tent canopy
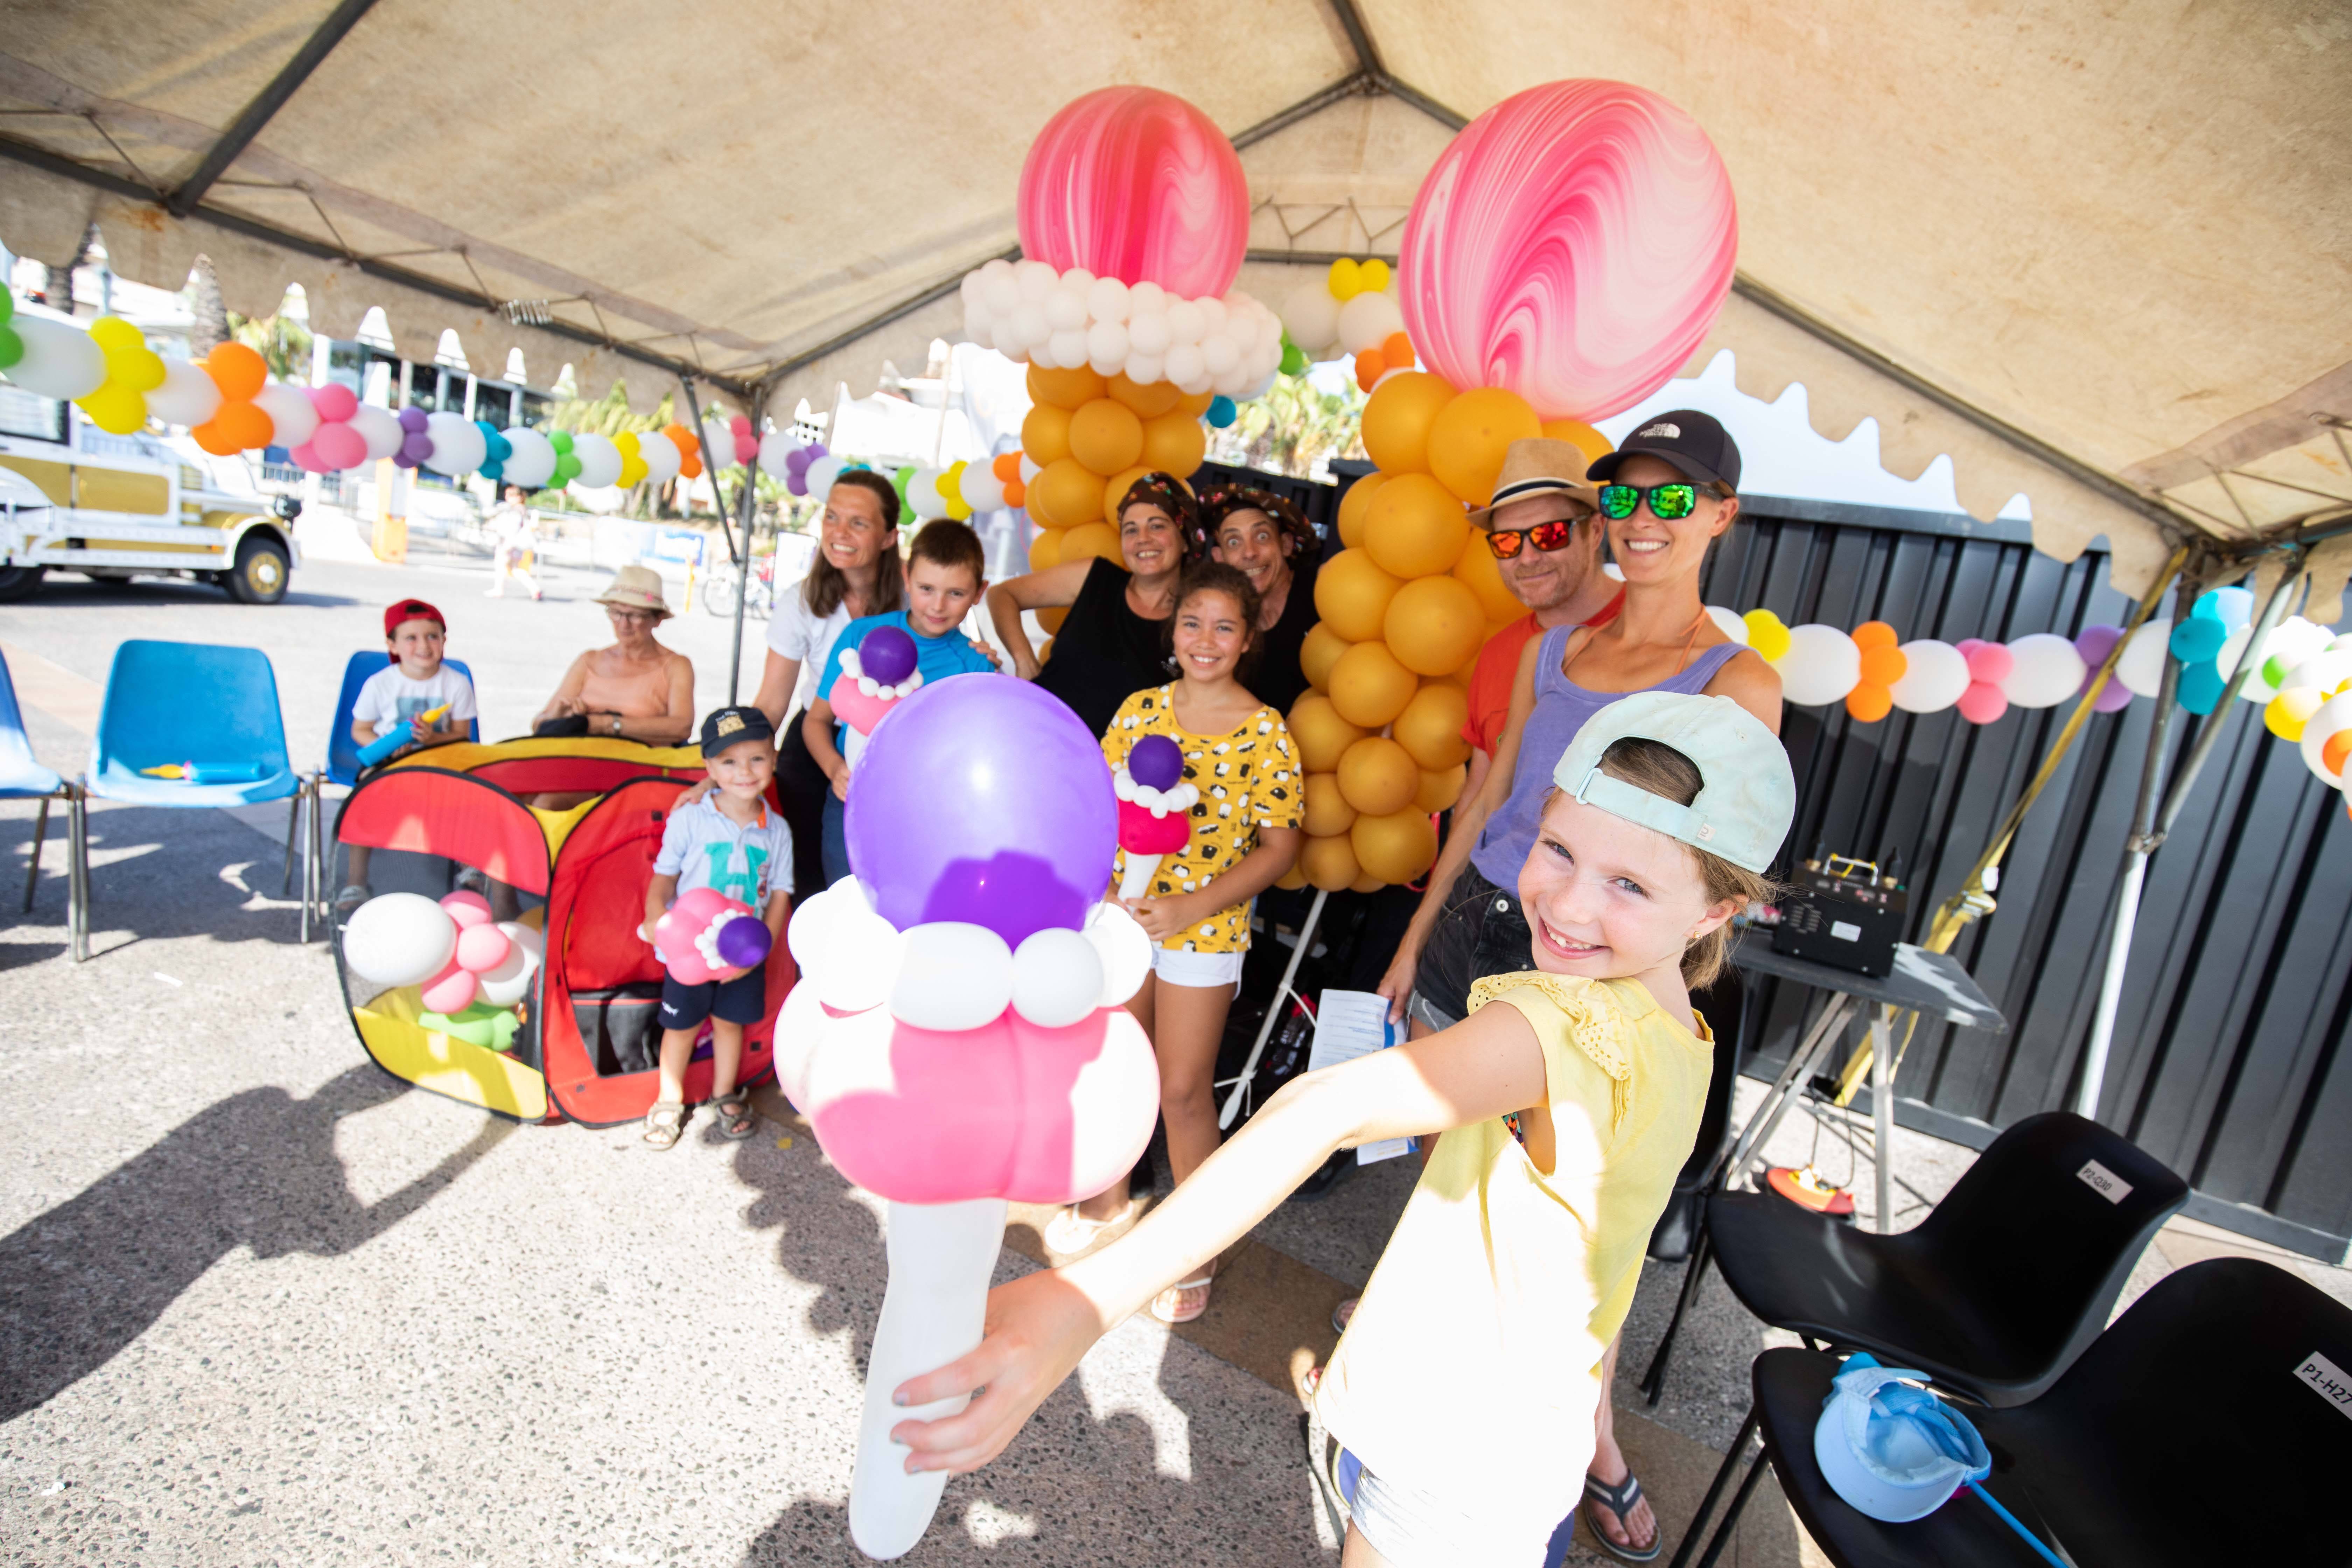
[2102,256]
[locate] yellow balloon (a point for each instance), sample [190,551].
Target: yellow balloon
[1416,526]
[2286,714]
[1174,443]
[1067,494]
[626,443]
[1354,506]
[1149,400]
[1115,489]
[113,331]
[1397,420]
[1373,275]
[1433,625]
[1347,279]
[1376,776]
[133,367]
[1369,687]
[1064,388]
[1045,550]
[1470,435]
[1321,736]
[1326,810]
[1092,539]
[1106,436]
[1046,435]
[1440,791]
[1476,567]
[633,471]
[115,408]
[1316,654]
[1429,728]
[1397,847]
[1329,863]
[1766,635]
[1352,595]
[948,484]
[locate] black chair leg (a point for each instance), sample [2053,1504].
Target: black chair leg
[1715,1489]
[1723,1532]
[1654,1380]
[33,870]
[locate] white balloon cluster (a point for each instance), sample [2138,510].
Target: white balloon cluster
[1026,311]
[1325,326]
[954,976]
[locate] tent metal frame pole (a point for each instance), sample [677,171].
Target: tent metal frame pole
[750,509]
[2151,824]
[266,105]
[702,440]
[1233,1105]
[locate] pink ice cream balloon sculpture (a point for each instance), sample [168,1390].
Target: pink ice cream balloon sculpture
[958,1037]
[1155,812]
[1572,244]
[875,677]
[706,936]
[1135,184]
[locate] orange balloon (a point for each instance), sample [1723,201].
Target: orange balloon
[1292,879]
[238,372]
[1064,388]
[1433,625]
[1106,436]
[1876,634]
[1369,687]
[1397,350]
[1869,704]
[1371,365]
[1396,848]
[1354,504]
[213,439]
[1092,539]
[1352,595]
[1326,808]
[1015,493]
[1321,736]
[1044,435]
[1397,420]
[1416,526]
[1116,487]
[2335,748]
[1045,550]
[1196,403]
[1068,494]
[1470,435]
[1149,400]
[244,424]
[1329,863]
[1377,777]
[1051,619]
[1367,883]
[1006,466]
[1883,665]
[1316,654]
[1429,728]
[1476,567]
[1441,791]
[1174,443]
[1578,434]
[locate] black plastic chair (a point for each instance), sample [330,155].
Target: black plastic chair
[1994,1293]
[2210,1425]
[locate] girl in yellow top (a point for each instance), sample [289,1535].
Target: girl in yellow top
[1467,1381]
[1244,835]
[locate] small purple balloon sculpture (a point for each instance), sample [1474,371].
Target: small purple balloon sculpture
[744,942]
[2093,643]
[888,655]
[984,799]
[1156,763]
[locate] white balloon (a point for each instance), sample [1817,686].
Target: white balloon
[1220,354]
[1727,621]
[2141,667]
[1311,316]
[399,939]
[458,444]
[2323,671]
[1366,322]
[718,440]
[923,494]
[824,474]
[776,449]
[1030,470]
[861,963]
[600,460]
[1935,675]
[1057,977]
[532,462]
[507,982]
[1145,299]
[1029,324]
[1186,369]
[999,290]
[1143,369]
[980,489]
[187,396]
[1069,346]
[293,416]
[1185,324]
[660,455]
[1212,316]
[1066,309]
[380,428]
[955,975]
[1038,280]
[58,362]
[1823,664]
[1125,950]
[1107,301]
[1107,345]
[2333,714]
[2047,671]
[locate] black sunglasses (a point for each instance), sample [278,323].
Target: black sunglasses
[1506,542]
[1667,502]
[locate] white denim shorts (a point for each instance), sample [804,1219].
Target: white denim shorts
[1414,1528]
[1176,967]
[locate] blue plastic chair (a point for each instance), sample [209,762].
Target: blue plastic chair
[176,702]
[342,753]
[22,778]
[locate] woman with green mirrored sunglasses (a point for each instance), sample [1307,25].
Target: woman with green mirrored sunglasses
[1668,502]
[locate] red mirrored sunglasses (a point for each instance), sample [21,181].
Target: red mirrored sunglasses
[1506,542]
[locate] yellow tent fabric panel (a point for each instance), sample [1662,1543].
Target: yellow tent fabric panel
[458,1068]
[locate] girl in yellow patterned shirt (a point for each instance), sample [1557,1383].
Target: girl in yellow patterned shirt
[1237,759]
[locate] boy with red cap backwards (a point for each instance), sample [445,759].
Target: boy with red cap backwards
[415,684]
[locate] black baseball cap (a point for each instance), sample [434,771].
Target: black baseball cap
[1696,446]
[731,727]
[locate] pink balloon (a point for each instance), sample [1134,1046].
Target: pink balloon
[1988,661]
[1983,701]
[306,458]
[451,991]
[1572,244]
[334,402]
[1135,184]
[468,908]
[339,446]
[481,947]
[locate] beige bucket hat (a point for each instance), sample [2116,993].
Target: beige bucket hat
[1538,466]
[636,588]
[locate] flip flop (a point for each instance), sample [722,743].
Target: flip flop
[1070,1233]
[1167,1306]
[1618,1499]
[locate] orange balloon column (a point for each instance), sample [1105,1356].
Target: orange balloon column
[1091,438]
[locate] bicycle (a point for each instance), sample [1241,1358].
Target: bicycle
[718,591]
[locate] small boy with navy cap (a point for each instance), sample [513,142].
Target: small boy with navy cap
[732,842]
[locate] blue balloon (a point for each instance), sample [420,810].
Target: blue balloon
[2196,639]
[501,448]
[1221,411]
[2201,686]
[493,469]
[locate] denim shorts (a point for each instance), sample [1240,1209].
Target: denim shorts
[1482,930]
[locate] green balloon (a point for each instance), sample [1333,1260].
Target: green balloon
[567,469]
[561,440]
[12,347]
[7,304]
[1294,360]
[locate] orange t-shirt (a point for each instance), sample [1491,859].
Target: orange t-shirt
[1499,663]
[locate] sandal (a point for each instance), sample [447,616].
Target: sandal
[1169,1305]
[349,899]
[665,1124]
[1343,1314]
[737,1119]
[1070,1233]
[1618,1499]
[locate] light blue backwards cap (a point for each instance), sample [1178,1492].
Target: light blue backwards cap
[1747,795]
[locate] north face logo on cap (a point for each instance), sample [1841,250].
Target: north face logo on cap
[1670,432]
[729,722]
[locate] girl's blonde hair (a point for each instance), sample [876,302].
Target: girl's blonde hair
[1661,769]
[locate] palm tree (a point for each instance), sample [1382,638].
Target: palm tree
[280,339]
[1292,427]
[208,325]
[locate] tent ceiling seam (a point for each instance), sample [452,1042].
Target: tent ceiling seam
[266,105]
[1359,37]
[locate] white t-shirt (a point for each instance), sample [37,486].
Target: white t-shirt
[795,631]
[391,698]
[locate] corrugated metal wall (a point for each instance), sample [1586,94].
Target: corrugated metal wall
[2229,1062]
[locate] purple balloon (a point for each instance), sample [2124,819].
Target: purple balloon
[401,460]
[1156,763]
[2093,643]
[888,655]
[413,420]
[983,799]
[796,482]
[797,459]
[744,943]
[816,449]
[416,446]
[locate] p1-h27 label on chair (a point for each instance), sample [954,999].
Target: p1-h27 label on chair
[2104,1182]
[2328,1378]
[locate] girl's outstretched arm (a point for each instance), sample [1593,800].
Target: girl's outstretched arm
[1039,1326]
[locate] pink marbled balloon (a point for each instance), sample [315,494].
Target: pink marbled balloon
[1135,184]
[1573,245]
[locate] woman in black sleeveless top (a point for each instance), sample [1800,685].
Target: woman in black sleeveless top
[1113,641]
